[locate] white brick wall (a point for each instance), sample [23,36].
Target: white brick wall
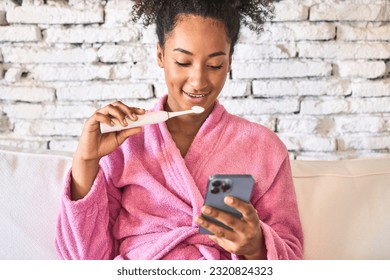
[319,74]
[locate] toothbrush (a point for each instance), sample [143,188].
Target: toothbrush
[148,118]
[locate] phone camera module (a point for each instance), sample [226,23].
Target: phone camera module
[219,185]
[215,190]
[216,183]
[226,187]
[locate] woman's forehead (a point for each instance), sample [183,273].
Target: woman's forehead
[192,31]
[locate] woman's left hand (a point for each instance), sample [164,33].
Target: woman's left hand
[246,239]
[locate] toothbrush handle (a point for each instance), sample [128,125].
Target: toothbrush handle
[147,118]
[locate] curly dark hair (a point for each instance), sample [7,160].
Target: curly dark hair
[252,13]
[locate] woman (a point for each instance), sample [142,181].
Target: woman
[138,193]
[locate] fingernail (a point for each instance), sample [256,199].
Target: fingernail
[124,121]
[206,210]
[229,200]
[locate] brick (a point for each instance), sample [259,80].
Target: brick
[296,31]
[49,111]
[254,52]
[160,89]
[320,156]
[354,124]
[117,16]
[370,105]
[371,88]
[54,15]
[20,34]
[105,91]
[306,125]
[362,69]
[364,142]
[146,70]
[367,33]
[84,4]
[27,94]
[118,12]
[303,142]
[34,54]
[285,69]
[149,35]
[290,12]
[66,145]
[138,103]
[324,107]
[235,89]
[123,53]
[349,12]
[91,35]
[6,5]
[20,142]
[14,74]
[344,50]
[68,73]
[48,128]
[121,71]
[281,88]
[267,121]
[251,106]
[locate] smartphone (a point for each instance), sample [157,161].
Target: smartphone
[221,185]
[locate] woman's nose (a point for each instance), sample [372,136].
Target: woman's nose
[198,79]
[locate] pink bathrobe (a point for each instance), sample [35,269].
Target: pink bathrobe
[146,196]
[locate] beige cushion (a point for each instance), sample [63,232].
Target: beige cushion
[344,208]
[30,191]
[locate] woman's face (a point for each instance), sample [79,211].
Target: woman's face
[196,60]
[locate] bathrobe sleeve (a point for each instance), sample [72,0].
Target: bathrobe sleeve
[84,227]
[279,217]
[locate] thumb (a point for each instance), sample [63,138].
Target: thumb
[124,134]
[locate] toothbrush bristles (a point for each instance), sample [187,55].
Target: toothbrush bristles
[197,109]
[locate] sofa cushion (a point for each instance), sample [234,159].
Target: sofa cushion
[344,208]
[31,186]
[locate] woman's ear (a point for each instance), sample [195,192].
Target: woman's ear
[160,56]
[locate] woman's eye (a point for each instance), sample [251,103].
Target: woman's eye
[215,67]
[182,64]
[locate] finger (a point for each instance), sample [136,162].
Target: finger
[102,118]
[115,112]
[131,112]
[124,134]
[249,213]
[225,218]
[217,230]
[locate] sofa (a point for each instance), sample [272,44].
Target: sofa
[344,205]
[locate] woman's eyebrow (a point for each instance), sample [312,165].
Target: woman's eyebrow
[190,53]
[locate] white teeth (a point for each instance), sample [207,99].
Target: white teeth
[195,95]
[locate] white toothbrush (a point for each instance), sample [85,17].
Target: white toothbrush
[148,118]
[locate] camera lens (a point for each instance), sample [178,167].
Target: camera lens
[215,190]
[216,183]
[225,187]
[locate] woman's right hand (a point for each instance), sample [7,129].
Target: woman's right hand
[93,145]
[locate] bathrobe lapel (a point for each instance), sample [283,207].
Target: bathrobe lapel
[189,175]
